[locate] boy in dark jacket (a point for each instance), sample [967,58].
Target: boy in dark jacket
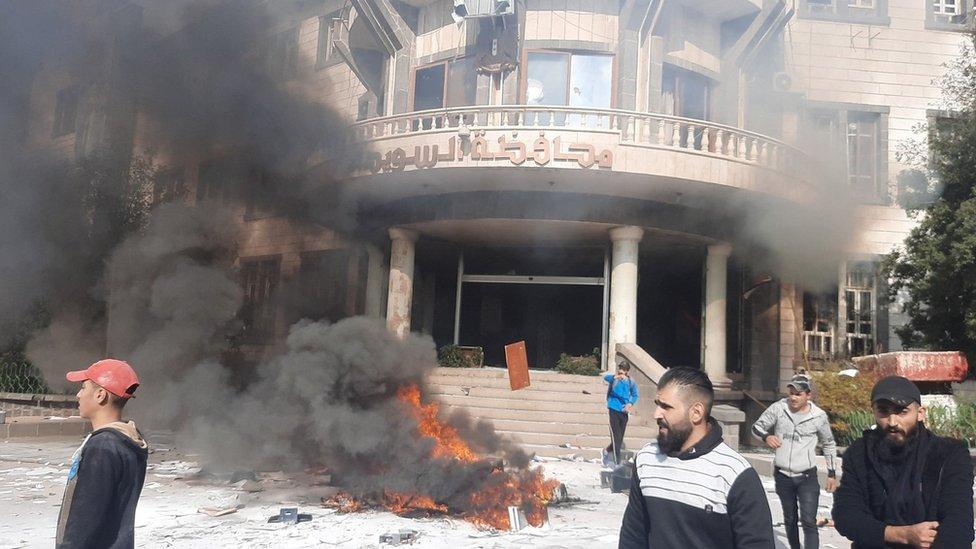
[903,486]
[108,470]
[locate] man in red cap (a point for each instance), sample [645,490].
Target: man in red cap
[108,470]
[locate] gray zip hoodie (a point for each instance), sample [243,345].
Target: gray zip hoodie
[799,434]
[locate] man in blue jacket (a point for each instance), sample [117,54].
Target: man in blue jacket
[621,397]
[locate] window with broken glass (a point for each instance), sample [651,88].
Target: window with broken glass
[568,79]
[65,111]
[860,303]
[819,320]
[260,280]
[452,83]
[872,12]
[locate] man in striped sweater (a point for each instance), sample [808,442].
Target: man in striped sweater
[690,489]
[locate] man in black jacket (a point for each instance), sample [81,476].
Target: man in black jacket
[108,470]
[690,489]
[903,486]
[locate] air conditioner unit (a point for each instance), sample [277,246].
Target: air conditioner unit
[782,82]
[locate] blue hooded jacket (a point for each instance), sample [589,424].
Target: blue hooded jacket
[621,392]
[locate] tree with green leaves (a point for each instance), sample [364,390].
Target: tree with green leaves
[934,274]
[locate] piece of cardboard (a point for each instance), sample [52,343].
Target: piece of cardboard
[518,365]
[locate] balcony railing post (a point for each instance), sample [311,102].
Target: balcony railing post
[690,137]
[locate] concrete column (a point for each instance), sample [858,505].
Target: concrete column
[374,281]
[622,325]
[716,275]
[400,295]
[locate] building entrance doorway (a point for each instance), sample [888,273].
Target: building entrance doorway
[553,298]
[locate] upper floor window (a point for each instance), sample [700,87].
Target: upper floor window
[685,93]
[863,154]
[948,14]
[169,186]
[853,143]
[282,54]
[325,51]
[65,111]
[870,12]
[446,84]
[214,181]
[570,79]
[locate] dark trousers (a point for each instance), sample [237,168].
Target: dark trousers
[801,491]
[618,424]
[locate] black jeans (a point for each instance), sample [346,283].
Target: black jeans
[618,424]
[805,491]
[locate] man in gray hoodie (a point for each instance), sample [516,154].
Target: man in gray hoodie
[793,426]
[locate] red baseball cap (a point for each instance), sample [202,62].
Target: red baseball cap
[115,376]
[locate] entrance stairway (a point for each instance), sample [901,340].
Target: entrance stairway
[556,410]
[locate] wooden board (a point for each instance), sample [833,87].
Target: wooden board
[518,365]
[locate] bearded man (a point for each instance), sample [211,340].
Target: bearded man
[690,489]
[901,485]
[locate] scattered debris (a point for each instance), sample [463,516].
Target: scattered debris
[568,445]
[218,511]
[248,485]
[516,518]
[403,536]
[585,392]
[289,515]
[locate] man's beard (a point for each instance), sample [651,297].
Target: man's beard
[897,444]
[674,437]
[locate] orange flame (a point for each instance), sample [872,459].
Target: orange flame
[487,505]
[448,442]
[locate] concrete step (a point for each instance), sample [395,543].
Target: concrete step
[598,417]
[37,426]
[637,431]
[527,405]
[502,373]
[494,392]
[548,384]
[582,440]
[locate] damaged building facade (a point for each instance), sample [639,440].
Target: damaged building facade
[575,174]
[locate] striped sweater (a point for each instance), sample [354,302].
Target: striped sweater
[706,496]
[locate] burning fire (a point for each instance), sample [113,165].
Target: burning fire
[448,442]
[487,504]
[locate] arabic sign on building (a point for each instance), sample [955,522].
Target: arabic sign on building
[541,151]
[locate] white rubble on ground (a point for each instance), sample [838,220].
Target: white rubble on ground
[32,477]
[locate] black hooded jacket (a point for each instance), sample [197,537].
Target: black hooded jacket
[945,472]
[106,478]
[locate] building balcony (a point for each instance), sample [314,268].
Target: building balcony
[585,150]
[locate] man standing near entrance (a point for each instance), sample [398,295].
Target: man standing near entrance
[903,486]
[793,426]
[621,397]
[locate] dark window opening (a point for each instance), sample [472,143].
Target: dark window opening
[215,181]
[859,297]
[282,57]
[819,321]
[685,93]
[65,111]
[260,280]
[169,186]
